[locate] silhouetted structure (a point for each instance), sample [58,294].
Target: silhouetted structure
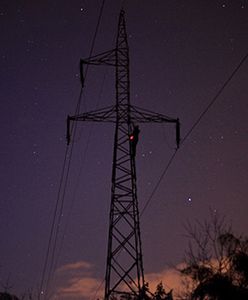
[216,263]
[7,296]
[134,138]
[124,271]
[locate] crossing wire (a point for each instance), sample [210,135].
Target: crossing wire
[196,123]
[57,216]
[63,178]
[76,187]
[161,176]
[58,254]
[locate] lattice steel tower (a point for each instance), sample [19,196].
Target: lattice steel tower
[124,269]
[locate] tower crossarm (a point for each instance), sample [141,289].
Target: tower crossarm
[104,58]
[107,115]
[124,277]
[137,115]
[141,115]
[107,58]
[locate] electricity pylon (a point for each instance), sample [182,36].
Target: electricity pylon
[124,270]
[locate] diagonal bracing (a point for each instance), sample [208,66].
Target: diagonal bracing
[124,270]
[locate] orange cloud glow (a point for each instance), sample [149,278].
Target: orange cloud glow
[170,278]
[77,281]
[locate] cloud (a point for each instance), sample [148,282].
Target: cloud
[78,281]
[75,266]
[80,288]
[170,278]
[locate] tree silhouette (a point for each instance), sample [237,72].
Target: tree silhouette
[146,294]
[160,293]
[7,296]
[216,262]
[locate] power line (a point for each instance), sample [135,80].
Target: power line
[215,97]
[70,155]
[186,137]
[77,183]
[98,289]
[158,183]
[83,159]
[63,176]
[211,103]
[52,227]
[56,223]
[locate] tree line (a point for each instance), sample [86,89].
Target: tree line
[215,266]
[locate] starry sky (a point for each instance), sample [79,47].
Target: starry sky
[181,53]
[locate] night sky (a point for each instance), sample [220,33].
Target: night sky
[181,54]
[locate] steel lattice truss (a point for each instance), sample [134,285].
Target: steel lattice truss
[124,270]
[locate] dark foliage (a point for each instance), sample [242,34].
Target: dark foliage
[216,263]
[7,296]
[160,293]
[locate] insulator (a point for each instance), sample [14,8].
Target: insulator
[82,72]
[178,133]
[68,134]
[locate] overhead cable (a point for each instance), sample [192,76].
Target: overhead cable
[196,123]
[63,179]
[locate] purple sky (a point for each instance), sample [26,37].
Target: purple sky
[181,53]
